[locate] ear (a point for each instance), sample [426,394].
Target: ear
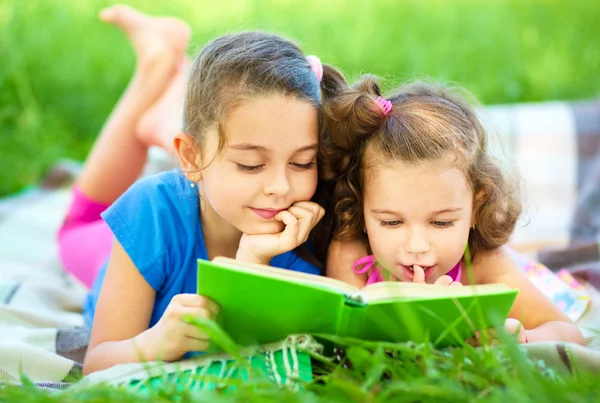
[190,158]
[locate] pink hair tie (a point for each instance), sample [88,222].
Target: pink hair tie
[315,66]
[386,106]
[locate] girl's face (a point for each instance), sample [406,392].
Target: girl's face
[418,214]
[268,164]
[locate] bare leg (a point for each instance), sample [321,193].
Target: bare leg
[163,119]
[119,154]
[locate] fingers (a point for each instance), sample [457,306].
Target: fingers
[514,327]
[196,301]
[185,312]
[192,344]
[305,217]
[419,274]
[445,281]
[288,238]
[308,215]
[194,339]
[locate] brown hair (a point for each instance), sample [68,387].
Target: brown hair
[236,68]
[426,122]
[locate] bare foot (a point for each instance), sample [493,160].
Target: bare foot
[163,119]
[160,44]
[149,36]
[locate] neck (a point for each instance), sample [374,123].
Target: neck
[220,237]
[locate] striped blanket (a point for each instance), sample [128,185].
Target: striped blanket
[554,145]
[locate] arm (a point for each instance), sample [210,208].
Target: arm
[541,319]
[122,315]
[341,255]
[120,332]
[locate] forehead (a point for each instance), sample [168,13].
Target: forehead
[273,121]
[427,183]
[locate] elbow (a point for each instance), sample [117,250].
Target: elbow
[88,367]
[578,336]
[557,332]
[90,362]
[570,332]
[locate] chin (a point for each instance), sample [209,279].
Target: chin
[264,228]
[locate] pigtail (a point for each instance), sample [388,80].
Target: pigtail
[332,83]
[351,115]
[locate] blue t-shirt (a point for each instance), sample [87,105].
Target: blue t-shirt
[157,221]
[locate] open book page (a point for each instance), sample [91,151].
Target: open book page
[389,290]
[289,275]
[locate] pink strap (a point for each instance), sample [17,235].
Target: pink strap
[367,262]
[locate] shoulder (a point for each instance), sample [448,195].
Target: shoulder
[155,221]
[488,264]
[165,192]
[495,265]
[169,186]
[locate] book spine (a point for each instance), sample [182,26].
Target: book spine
[350,318]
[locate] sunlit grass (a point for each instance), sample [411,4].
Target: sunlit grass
[62,71]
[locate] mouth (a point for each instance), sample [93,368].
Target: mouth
[266,213]
[410,271]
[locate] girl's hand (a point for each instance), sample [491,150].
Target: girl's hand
[513,327]
[172,336]
[445,281]
[299,220]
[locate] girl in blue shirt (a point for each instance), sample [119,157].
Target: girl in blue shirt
[248,150]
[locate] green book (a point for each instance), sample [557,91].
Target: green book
[262,304]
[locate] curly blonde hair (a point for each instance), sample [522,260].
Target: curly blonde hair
[427,122]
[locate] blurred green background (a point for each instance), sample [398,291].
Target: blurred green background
[62,71]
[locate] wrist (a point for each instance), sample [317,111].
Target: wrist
[244,256]
[144,346]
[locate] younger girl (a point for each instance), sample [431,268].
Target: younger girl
[416,183]
[248,152]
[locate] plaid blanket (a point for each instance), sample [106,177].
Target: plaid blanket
[554,145]
[40,305]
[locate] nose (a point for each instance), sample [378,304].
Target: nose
[278,184]
[417,242]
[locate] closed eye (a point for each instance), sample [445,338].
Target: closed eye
[303,167]
[249,168]
[391,223]
[443,224]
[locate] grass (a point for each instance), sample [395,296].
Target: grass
[63,71]
[371,372]
[355,370]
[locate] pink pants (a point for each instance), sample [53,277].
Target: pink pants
[84,239]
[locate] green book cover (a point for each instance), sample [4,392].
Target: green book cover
[262,304]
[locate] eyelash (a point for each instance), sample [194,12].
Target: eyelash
[443,224]
[394,223]
[257,168]
[438,224]
[304,167]
[247,168]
